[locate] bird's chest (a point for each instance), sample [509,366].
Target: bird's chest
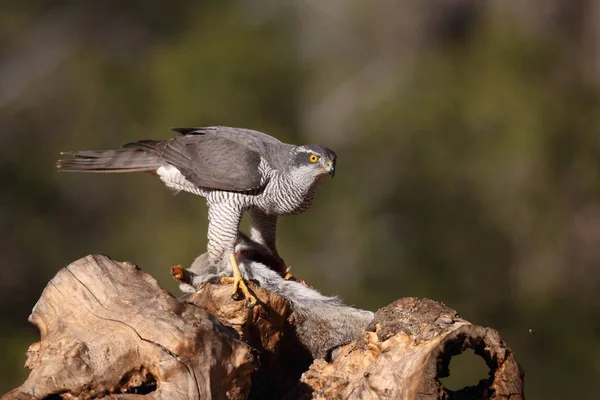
[283,197]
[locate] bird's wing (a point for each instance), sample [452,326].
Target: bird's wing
[209,161]
[246,137]
[271,149]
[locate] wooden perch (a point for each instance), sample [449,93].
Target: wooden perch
[109,331]
[107,327]
[405,351]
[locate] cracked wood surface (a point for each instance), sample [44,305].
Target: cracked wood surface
[267,327]
[404,353]
[107,328]
[109,331]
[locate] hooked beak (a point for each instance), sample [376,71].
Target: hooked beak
[330,167]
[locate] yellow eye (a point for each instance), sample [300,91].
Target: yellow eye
[313,158]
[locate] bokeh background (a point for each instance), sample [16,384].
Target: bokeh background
[468,137]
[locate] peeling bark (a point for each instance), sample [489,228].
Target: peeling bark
[109,331]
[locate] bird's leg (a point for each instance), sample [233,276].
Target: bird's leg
[223,225]
[263,230]
[239,283]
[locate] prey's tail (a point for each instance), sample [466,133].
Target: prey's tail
[125,160]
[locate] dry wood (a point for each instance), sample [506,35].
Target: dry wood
[109,331]
[405,352]
[108,328]
[267,327]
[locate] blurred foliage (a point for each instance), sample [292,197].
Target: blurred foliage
[467,138]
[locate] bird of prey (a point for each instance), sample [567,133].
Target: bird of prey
[234,169]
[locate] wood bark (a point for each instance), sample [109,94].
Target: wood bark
[107,328]
[109,331]
[406,350]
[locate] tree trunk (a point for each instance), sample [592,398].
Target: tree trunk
[109,331]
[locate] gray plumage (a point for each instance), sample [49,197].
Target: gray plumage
[235,169]
[322,323]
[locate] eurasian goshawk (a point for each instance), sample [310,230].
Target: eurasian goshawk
[235,169]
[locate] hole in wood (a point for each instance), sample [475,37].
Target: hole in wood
[54,396]
[476,385]
[466,369]
[139,381]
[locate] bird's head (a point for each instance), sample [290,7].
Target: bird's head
[314,160]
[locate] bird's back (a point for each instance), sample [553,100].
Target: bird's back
[274,151]
[218,157]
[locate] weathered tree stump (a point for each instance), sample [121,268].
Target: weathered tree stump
[109,331]
[269,328]
[406,350]
[108,328]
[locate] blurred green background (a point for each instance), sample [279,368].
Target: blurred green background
[467,133]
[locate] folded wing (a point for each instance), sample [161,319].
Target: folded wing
[209,161]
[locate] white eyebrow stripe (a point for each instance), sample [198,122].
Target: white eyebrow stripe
[307,151]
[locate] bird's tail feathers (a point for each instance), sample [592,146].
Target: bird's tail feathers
[107,161]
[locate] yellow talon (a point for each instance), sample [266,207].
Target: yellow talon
[289,277]
[239,282]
